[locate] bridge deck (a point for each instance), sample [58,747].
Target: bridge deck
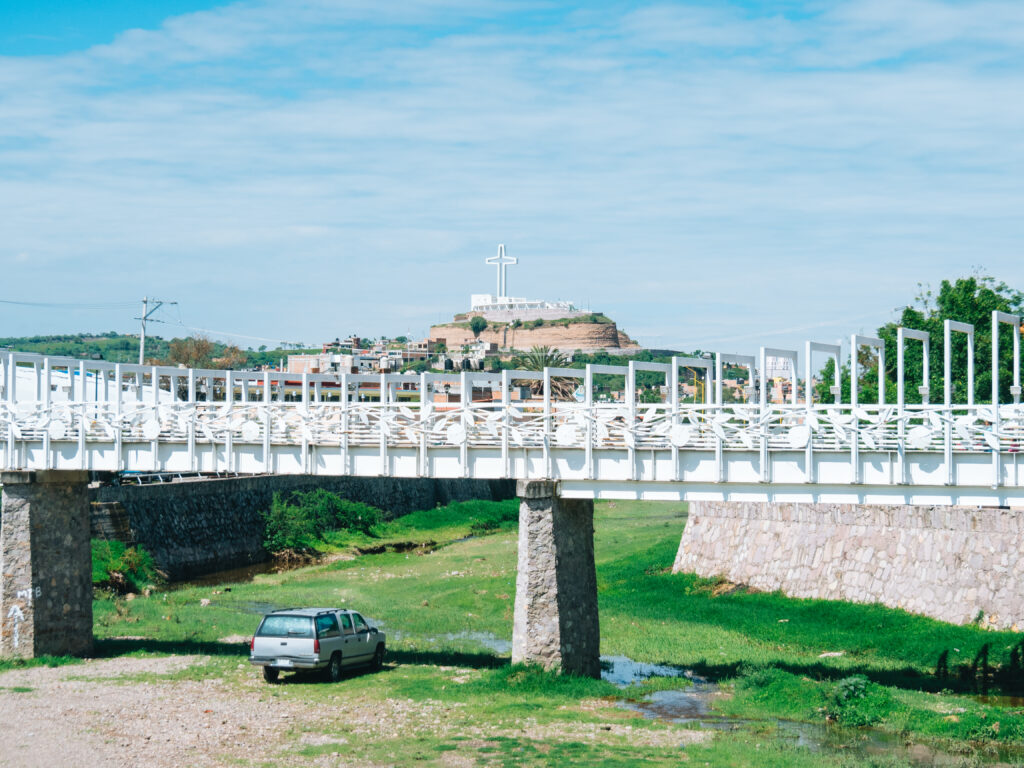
[71,414]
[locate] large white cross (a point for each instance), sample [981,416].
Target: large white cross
[501,261]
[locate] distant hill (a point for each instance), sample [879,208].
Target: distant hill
[124,348]
[586,332]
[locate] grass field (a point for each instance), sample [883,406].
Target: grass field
[446,611]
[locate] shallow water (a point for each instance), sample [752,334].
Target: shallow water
[693,706]
[243,575]
[623,671]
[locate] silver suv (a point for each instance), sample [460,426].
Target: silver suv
[327,639]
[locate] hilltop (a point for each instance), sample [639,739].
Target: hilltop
[584,332]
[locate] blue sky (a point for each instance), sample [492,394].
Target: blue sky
[709,174]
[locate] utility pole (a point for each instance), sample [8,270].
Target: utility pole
[146,312]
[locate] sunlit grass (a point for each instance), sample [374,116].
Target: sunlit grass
[446,610]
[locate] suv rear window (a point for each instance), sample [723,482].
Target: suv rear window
[286,626]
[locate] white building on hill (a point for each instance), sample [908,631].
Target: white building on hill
[504,307]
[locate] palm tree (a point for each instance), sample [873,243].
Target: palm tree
[539,358]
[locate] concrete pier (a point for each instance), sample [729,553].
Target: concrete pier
[556,620]
[45,564]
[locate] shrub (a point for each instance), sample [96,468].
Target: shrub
[490,517]
[122,568]
[331,512]
[301,521]
[856,701]
[287,526]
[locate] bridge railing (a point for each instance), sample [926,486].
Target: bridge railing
[57,401]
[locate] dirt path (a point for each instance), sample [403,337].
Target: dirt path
[99,721]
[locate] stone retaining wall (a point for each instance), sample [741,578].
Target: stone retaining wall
[951,563]
[194,527]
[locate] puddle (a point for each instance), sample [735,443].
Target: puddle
[623,671]
[488,640]
[1012,702]
[693,706]
[243,575]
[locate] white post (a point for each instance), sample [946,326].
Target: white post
[118,386]
[12,385]
[305,412]
[1014,322]
[720,402]
[631,418]
[424,425]
[193,408]
[343,446]
[854,426]
[83,462]
[588,390]
[506,406]
[385,398]
[547,423]
[763,410]
[44,386]
[467,403]
[673,383]
[267,462]
[229,437]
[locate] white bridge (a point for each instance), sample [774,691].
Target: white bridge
[64,414]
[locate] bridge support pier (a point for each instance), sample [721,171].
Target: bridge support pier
[45,564]
[556,621]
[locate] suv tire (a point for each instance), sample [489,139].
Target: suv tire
[378,657]
[270,674]
[333,670]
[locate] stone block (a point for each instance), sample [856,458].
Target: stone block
[555,622]
[45,564]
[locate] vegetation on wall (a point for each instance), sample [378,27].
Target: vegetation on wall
[121,568]
[301,521]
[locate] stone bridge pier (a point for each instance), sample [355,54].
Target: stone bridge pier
[556,621]
[45,564]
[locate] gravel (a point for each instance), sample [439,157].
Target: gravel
[99,721]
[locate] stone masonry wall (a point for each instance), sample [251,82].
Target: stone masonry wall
[197,527]
[555,620]
[45,564]
[951,563]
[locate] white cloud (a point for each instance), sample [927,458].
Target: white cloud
[695,172]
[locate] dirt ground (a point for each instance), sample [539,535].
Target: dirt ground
[117,712]
[88,715]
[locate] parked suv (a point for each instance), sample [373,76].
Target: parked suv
[327,639]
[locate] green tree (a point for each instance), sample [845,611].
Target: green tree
[192,352]
[539,358]
[477,325]
[968,300]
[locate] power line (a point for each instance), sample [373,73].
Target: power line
[221,333]
[60,305]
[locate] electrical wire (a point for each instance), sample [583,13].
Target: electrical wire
[219,333]
[53,304]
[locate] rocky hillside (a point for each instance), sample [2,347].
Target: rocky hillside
[567,337]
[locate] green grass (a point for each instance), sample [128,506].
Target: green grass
[443,611]
[7,664]
[132,567]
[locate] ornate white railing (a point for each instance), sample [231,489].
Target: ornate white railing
[59,413]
